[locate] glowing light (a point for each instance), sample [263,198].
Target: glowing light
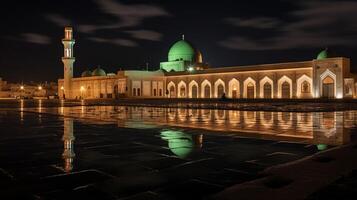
[22,87]
[39,87]
[62,88]
[190,69]
[82,88]
[339,95]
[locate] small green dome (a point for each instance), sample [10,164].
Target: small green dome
[86,73]
[323,54]
[182,50]
[99,72]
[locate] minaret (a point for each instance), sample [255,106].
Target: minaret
[68,60]
[68,145]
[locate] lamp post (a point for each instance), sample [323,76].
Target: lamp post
[22,88]
[62,89]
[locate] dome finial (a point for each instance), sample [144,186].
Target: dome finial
[183,36]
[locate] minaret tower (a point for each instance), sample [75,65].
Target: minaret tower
[68,60]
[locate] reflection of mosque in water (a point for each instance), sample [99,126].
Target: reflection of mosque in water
[68,145]
[330,128]
[182,144]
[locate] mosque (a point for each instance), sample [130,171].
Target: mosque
[185,75]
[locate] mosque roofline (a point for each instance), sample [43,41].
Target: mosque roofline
[247,68]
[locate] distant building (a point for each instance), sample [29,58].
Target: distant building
[27,91]
[185,75]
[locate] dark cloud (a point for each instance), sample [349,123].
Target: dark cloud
[315,24]
[126,15]
[125,42]
[59,20]
[259,22]
[115,41]
[35,38]
[145,35]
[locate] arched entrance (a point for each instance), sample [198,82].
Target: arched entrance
[250,90]
[207,91]
[89,92]
[171,90]
[267,90]
[182,91]
[220,91]
[328,87]
[194,91]
[304,87]
[116,91]
[233,88]
[219,88]
[285,90]
[234,93]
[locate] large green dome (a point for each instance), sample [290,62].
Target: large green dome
[99,72]
[182,50]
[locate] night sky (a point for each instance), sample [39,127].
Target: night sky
[126,34]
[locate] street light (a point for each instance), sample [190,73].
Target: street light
[82,89]
[22,91]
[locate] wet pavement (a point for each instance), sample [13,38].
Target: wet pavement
[98,153]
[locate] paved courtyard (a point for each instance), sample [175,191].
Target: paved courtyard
[104,161]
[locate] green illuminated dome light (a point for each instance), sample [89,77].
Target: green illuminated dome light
[99,72]
[86,73]
[321,147]
[179,143]
[323,54]
[182,50]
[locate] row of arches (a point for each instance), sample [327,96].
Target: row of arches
[249,90]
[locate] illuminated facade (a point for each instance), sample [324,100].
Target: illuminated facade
[185,75]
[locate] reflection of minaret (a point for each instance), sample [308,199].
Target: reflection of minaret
[198,141]
[68,60]
[68,141]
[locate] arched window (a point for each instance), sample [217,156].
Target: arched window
[134,91]
[220,91]
[207,91]
[305,87]
[328,89]
[250,90]
[267,90]
[285,90]
[194,91]
[183,91]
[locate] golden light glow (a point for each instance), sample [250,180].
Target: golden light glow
[22,87]
[82,88]
[62,88]
[39,87]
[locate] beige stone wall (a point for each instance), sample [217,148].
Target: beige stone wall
[281,80]
[335,68]
[239,83]
[94,87]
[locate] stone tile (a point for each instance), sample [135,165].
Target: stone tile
[191,189]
